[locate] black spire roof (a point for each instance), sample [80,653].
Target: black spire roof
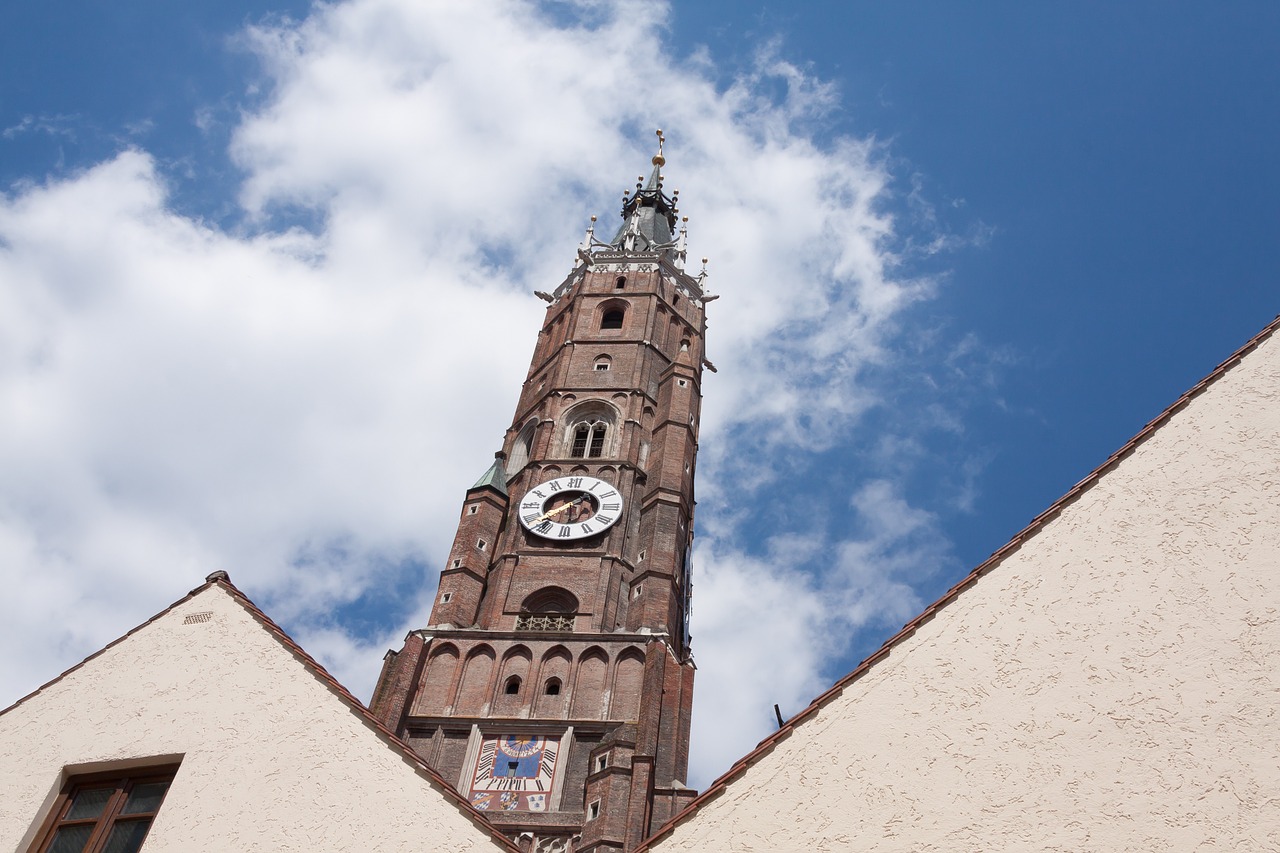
[648,216]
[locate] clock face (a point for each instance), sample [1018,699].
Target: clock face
[514,773]
[570,508]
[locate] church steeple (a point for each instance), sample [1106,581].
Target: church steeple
[554,680]
[648,216]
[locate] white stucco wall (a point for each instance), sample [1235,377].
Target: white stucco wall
[272,758]
[1114,684]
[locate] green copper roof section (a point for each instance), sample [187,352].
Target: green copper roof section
[495,478]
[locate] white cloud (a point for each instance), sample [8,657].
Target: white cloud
[767,628]
[179,400]
[304,407]
[50,125]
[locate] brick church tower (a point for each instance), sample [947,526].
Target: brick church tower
[554,683]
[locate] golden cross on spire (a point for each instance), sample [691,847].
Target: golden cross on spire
[658,159]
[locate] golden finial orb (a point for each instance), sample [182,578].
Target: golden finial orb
[658,159]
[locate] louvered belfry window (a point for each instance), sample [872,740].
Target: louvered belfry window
[588,440]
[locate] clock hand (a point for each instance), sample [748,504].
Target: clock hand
[550,513]
[558,509]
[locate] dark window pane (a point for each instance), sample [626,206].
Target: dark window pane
[597,440]
[71,839]
[580,441]
[145,798]
[89,803]
[126,836]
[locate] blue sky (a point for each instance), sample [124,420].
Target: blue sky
[965,253]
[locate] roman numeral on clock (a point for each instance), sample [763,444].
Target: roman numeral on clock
[561,509]
[484,767]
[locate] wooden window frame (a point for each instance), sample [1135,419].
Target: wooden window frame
[124,781]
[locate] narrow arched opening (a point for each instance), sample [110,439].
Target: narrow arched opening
[588,440]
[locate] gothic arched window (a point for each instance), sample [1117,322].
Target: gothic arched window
[588,439]
[612,319]
[589,430]
[520,449]
[548,609]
